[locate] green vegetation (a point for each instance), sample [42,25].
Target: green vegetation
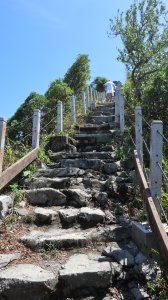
[98,83]
[78,74]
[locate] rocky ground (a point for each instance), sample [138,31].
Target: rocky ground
[70,237]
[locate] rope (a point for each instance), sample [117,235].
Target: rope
[163,211]
[19,142]
[163,172]
[166,140]
[47,124]
[145,120]
[131,138]
[146,146]
[22,122]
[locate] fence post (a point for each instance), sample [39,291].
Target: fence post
[59,117]
[138,132]
[2,141]
[121,103]
[155,176]
[116,100]
[83,104]
[36,128]
[73,112]
[87,97]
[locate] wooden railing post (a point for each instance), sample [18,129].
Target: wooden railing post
[155,177]
[83,103]
[2,141]
[138,133]
[73,109]
[121,104]
[59,116]
[36,128]
[116,100]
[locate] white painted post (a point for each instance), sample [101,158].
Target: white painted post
[87,97]
[116,100]
[155,176]
[73,111]
[121,103]
[91,96]
[36,128]
[2,141]
[59,116]
[83,104]
[138,132]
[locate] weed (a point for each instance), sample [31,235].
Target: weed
[17,192]
[51,249]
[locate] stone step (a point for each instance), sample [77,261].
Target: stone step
[93,128]
[103,119]
[45,197]
[64,183]
[58,156]
[85,216]
[93,139]
[51,197]
[61,172]
[85,164]
[68,238]
[88,270]
[27,281]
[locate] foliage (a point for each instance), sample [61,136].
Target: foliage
[98,83]
[17,192]
[58,91]
[158,287]
[20,124]
[78,74]
[143,31]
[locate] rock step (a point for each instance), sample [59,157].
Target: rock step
[71,237]
[52,197]
[103,119]
[60,172]
[93,127]
[58,156]
[67,216]
[65,182]
[85,164]
[93,139]
[88,270]
[27,281]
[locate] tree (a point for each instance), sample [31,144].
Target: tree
[58,91]
[78,74]
[20,124]
[144,34]
[98,83]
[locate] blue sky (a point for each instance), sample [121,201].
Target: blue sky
[40,40]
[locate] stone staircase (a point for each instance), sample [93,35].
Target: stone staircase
[76,223]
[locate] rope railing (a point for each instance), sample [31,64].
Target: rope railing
[19,123]
[88,101]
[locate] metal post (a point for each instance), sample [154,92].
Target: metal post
[73,111]
[155,177]
[2,141]
[138,133]
[59,116]
[36,128]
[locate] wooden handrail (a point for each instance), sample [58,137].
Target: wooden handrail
[11,172]
[153,216]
